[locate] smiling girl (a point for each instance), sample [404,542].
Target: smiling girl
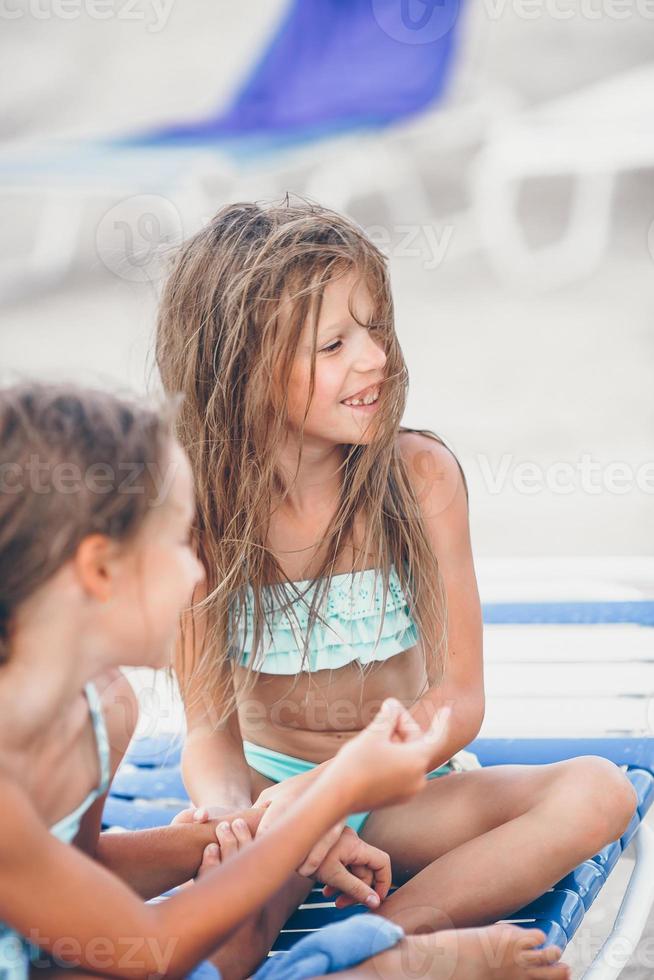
[339,570]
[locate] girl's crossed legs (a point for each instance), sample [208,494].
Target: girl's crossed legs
[471,848]
[475,846]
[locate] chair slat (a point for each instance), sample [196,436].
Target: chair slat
[587,880]
[564,907]
[537,613]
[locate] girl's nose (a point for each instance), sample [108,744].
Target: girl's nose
[371,356]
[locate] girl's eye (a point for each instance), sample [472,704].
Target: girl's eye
[332,347]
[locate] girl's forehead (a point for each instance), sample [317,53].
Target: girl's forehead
[348,294]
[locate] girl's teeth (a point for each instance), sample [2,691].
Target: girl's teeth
[369,399]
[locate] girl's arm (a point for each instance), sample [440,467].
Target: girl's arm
[89,918]
[153,861]
[441,493]
[214,769]
[86,917]
[213,762]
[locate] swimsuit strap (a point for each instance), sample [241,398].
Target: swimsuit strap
[101,736]
[66,828]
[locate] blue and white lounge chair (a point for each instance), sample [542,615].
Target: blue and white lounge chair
[149,790]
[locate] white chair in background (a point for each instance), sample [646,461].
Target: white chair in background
[589,137]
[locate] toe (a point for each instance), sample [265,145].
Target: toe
[541,957]
[532,937]
[559,972]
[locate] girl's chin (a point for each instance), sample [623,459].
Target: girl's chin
[358,432]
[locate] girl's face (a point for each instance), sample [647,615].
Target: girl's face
[350,363]
[160,573]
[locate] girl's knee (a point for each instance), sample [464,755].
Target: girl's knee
[600,794]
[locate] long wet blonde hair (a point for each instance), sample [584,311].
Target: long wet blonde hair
[223,342]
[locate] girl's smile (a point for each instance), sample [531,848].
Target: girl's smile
[349,368]
[365,399]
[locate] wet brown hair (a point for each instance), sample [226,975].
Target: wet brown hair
[73,462]
[223,342]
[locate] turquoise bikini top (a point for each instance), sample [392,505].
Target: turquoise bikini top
[352,626]
[15,951]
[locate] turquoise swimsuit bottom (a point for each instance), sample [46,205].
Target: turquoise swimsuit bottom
[354,625]
[16,953]
[277,766]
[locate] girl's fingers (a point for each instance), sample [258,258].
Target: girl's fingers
[378,864]
[184,816]
[363,873]
[351,887]
[407,729]
[385,720]
[191,815]
[241,831]
[210,858]
[319,852]
[227,840]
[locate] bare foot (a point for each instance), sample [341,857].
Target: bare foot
[499,952]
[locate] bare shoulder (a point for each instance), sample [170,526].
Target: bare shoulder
[119,707]
[435,475]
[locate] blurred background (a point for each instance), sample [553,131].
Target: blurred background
[512,190]
[501,153]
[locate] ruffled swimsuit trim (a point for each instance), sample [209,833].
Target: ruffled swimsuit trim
[354,625]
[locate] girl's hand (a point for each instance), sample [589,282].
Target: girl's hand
[202,814]
[356,871]
[227,831]
[388,761]
[276,800]
[230,839]
[278,793]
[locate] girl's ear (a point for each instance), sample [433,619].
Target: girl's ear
[94,563]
